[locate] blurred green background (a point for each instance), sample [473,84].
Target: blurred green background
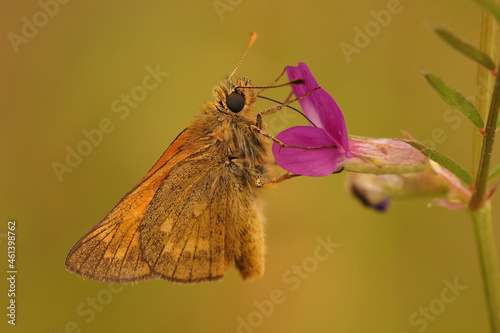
[63,79]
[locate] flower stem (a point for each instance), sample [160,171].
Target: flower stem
[479,205]
[485,79]
[479,195]
[483,230]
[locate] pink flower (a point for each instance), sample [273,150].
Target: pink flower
[326,128]
[382,168]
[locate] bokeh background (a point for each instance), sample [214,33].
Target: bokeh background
[63,79]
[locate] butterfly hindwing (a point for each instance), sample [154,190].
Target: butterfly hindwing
[201,220]
[183,231]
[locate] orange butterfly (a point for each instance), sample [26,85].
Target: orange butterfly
[196,211]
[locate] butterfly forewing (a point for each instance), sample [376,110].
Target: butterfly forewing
[110,251]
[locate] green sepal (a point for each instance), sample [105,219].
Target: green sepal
[443,161]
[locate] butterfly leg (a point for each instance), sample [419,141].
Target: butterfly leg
[282,144]
[276,180]
[289,101]
[278,78]
[276,108]
[273,84]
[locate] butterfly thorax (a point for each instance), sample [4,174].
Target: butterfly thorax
[235,140]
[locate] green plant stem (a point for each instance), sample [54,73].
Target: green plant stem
[488,103]
[483,230]
[484,80]
[479,195]
[479,205]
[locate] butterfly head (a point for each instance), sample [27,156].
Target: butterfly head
[235,98]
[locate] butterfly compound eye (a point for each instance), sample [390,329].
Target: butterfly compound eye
[235,102]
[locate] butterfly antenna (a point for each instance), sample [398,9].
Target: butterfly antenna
[252,39]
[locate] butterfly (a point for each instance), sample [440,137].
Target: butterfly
[196,212]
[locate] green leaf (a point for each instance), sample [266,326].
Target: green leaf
[491,7]
[454,99]
[494,173]
[443,161]
[465,48]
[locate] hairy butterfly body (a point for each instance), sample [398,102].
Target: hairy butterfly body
[196,211]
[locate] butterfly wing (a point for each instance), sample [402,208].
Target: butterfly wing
[111,251]
[202,218]
[184,224]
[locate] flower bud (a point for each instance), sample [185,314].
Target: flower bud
[375,191]
[383,156]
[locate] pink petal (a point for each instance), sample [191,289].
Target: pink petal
[307,162]
[319,106]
